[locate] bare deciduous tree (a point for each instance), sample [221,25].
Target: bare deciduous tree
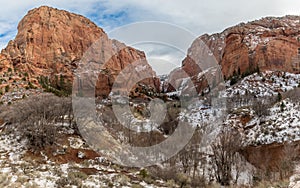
[36,116]
[225,149]
[293,95]
[287,163]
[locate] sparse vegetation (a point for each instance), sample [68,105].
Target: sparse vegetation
[7,88]
[282,106]
[279,97]
[35,118]
[59,87]
[237,75]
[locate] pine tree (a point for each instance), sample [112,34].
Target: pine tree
[279,97]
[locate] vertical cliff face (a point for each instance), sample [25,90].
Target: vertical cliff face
[269,43]
[48,40]
[51,42]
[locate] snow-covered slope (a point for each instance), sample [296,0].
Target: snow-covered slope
[280,122]
[71,165]
[264,84]
[283,124]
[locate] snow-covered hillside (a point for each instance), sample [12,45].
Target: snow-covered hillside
[264,84]
[72,164]
[280,123]
[283,124]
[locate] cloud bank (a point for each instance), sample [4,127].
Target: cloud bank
[203,16]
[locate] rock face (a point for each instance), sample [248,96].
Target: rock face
[269,43]
[51,42]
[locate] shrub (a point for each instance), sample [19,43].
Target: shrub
[40,135]
[143,173]
[31,86]
[183,179]
[279,97]
[171,183]
[282,106]
[34,118]
[198,181]
[62,182]
[136,186]
[74,178]
[165,173]
[6,88]
[123,179]
[233,80]
[77,175]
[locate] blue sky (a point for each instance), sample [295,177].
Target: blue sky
[202,16]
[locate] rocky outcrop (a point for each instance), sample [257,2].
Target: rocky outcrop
[269,44]
[51,42]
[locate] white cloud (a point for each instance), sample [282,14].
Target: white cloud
[203,16]
[163,58]
[11,12]
[206,15]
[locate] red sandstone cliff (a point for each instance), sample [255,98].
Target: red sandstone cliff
[51,42]
[269,43]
